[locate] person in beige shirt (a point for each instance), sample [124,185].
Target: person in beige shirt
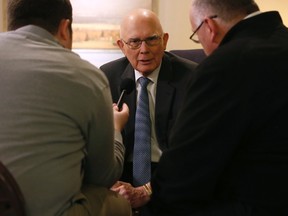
[58,135]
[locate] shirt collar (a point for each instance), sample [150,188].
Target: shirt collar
[253,14]
[39,33]
[153,76]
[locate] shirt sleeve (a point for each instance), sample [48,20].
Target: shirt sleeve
[105,150]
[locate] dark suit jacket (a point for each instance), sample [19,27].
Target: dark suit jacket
[171,87]
[228,150]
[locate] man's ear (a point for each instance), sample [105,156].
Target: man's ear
[120,44]
[165,40]
[213,29]
[64,34]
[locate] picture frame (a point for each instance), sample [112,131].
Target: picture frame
[96,23]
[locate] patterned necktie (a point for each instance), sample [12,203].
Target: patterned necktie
[142,142]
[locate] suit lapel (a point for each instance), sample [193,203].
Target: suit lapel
[164,100]
[130,100]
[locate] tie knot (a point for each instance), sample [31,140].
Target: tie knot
[144,81]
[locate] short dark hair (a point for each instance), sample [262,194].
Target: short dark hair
[43,13]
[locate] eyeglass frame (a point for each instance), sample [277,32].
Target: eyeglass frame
[146,40]
[197,29]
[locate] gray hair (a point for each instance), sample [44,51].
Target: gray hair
[226,9]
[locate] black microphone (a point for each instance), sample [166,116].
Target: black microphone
[126,87]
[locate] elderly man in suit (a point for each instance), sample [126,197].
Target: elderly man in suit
[143,43]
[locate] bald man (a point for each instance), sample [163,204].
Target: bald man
[143,42]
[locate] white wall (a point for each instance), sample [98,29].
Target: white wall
[175,20]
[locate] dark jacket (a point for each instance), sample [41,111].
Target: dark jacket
[231,134]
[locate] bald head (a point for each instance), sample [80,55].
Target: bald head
[138,19]
[142,40]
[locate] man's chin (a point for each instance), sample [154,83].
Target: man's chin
[145,69]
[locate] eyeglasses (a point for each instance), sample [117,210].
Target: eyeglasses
[194,36]
[136,43]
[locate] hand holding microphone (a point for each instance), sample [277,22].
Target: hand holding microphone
[126,87]
[120,113]
[120,116]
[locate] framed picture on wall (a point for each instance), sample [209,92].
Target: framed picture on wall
[96,22]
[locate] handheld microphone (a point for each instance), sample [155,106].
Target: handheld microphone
[126,87]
